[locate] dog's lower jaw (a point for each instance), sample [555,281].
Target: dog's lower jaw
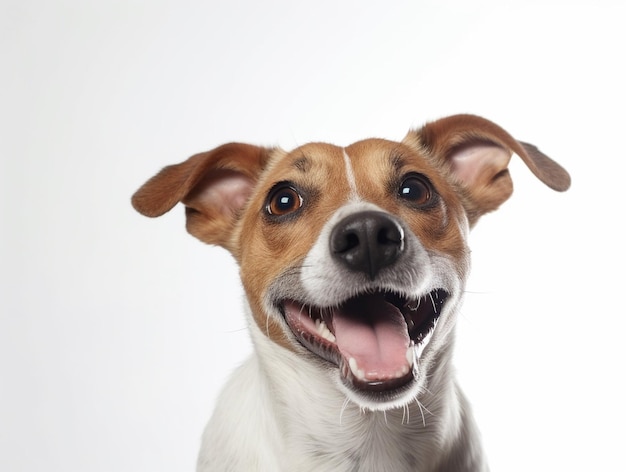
[269,418]
[393,380]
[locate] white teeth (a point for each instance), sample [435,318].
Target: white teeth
[413,353]
[402,372]
[410,354]
[323,331]
[354,368]
[421,346]
[360,374]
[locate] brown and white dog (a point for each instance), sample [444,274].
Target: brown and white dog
[354,262]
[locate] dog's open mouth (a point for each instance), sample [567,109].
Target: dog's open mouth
[375,339]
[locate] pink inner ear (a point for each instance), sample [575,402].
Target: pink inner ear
[223,191]
[478,162]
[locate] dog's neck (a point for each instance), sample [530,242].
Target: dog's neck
[321,424]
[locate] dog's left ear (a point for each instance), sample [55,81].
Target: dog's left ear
[476,153]
[214,186]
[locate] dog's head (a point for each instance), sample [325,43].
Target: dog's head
[354,258]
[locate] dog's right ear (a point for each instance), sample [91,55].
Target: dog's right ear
[214,186]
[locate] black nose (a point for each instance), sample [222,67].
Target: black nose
[367,241]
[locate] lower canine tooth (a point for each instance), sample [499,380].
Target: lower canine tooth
[424,343]
[410,354]
[354,368]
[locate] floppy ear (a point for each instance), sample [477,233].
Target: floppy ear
[476,153]
[214,186]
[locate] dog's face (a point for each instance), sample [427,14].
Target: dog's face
[353,258]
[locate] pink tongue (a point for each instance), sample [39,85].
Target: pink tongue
[374,333]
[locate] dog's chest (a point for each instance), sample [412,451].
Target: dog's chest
[320,429]
[353,440]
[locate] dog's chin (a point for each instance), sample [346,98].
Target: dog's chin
[383,400]
[374,341]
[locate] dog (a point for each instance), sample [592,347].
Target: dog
[354,262]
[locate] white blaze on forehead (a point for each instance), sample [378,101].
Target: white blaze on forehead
[354,195]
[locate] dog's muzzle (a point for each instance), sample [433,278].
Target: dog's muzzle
[377,336]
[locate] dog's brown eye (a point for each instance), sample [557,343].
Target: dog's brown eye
[416,189]
[283,200]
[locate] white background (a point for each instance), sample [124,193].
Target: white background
[117,331]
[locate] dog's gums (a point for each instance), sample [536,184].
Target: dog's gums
[375,339]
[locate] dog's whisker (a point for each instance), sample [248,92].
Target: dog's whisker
[432,300]
[345,404]
[406,414]
[419,405]
[237,330]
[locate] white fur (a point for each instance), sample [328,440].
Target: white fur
[354,194]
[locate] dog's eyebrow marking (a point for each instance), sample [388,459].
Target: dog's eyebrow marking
[303,164]
[397,162]
[354,194]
